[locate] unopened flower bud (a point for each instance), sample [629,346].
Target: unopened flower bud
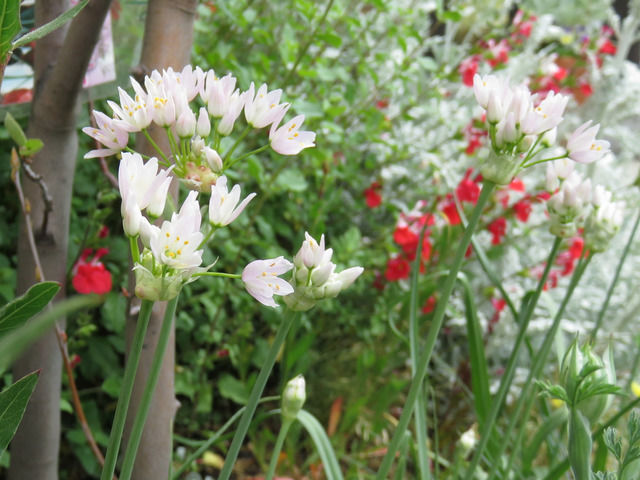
[293,397]
[213,159]
[197,145]
[203,126]
[186,124]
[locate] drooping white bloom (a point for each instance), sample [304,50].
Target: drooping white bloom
[234,106]
[141,186]
[222,205]
[484,86]
[583,147]
[111,133]
[547,115]
[264,108]
[135,113]
[288,139]
[176,242]
[261,279]
[217,92]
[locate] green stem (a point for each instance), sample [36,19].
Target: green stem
[217,274]
[562,467]
[155,145]
[204,446]
[147,394]
[284,429]
[614,282]
[308,43]
[256,391]
[438,319]
[532,151]
[207,237]
[235,145]
[252,152]
[545,160]
[527,395]
[420,418]
[509,372]
[135,250]
[175,150]
[125,391]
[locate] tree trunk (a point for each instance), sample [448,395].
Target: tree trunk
[60,63]
[168,39]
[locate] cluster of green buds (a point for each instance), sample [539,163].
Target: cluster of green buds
[570,200]
[603,222]
[314,276]
[587,383]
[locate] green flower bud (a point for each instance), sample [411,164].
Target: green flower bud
[293,397]
[500,168]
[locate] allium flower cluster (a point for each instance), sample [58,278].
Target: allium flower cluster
[568,205]
[521,125]
[165,100]
[314,276]
[604,221]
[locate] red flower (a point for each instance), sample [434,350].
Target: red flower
[498,305]
[522,209]
[468,190]
[74,361]
[585,89]
[384,103]
[543,196]
[577,245]
[405,237]
[498,228]
[372,197]
[607,47]
[91,276]
[517,185]
[499,52]
[429,305]
[397,269]
[451,213]
[473,145]
[103,232]
[468,69]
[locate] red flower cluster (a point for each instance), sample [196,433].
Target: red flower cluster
[91,276]
[566,260]
[372,195]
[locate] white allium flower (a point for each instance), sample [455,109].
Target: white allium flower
[186,124]
[213,159]
[217,92]
[263,109]
[141,186]
[262,281]
[568,205]
[223,205]
[288,139]
[583,147]
[234,106]
[161,99]
[176,242]
[547,115]
[111,133]
[136,114]
[203,125]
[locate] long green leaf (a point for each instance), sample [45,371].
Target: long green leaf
[21,309]
[477,359]
[13,402]
[47,28]
[552,423]
[12,344]
[9,25]
[322,443]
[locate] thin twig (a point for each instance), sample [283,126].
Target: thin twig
[61,336]
[46,196]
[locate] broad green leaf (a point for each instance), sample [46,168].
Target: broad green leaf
[12,344]
[47,28]
[15,130]
[292,179]
[17,312]
[234,389]
[13,401]
[9,25]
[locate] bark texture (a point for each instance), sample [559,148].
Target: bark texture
[61,60]
[168,39]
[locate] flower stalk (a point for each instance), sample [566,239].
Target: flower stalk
[438,319]
[115,438]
